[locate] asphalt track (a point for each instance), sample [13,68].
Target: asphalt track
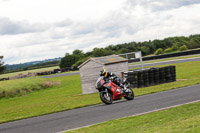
[137,66]
[75,118]
[60,75]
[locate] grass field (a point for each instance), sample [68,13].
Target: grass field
[166,59]
[68,95]
[20,87]
[28,71]
[182,119]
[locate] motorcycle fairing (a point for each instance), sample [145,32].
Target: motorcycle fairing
[116,90]
[108,85]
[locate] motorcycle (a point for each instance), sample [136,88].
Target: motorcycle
[109,91]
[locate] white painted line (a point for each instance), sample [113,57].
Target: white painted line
[156,110]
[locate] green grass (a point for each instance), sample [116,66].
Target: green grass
[166,59]
[68,95]
[182,119]
[19,87]
[28,71]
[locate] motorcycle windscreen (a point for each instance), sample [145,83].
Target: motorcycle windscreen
[100,82]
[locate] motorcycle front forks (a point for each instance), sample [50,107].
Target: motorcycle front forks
[106,92]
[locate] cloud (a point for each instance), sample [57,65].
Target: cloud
[63,23]
[159,5]
[165,26]
[23,41]
[5,0]
[8,27]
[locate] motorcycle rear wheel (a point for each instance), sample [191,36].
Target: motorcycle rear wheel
[130,95]
[106,99]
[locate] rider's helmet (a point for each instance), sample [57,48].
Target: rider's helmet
[103,73]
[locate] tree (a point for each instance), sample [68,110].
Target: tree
[67,61]
[78,55]
[145,50]
[175,47]
[159,51]
[2,66]
[98,52]
[183,48]
[159,44]
[123,50]
[78,52]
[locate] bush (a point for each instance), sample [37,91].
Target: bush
[183,48]
[159,51]
[168,50]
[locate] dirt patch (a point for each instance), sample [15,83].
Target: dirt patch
[181,79]
[48,84]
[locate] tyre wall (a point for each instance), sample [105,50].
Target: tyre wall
[151,76]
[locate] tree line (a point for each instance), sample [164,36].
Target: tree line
[156,47]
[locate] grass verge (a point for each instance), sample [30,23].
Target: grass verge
[20,87]
[182,119]
[68,95]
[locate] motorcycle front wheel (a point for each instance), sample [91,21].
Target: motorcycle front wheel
[129,95]
[106,98]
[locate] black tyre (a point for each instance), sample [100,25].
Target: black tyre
[130,95]
[106,98]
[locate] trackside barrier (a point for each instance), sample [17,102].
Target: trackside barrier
[3,79]
[151,76]
[189,52]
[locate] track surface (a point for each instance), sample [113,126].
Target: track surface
[137,66]
[60,75]
[99,113]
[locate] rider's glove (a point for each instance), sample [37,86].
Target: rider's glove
[112,78]
[121,85]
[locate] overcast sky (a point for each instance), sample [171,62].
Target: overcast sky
[33,30]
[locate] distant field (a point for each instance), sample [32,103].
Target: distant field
[28,71]
[68,94]
[182,119]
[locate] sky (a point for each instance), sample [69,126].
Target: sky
[32,30]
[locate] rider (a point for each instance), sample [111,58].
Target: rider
[111,76]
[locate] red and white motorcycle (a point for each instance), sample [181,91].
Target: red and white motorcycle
[110,91]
